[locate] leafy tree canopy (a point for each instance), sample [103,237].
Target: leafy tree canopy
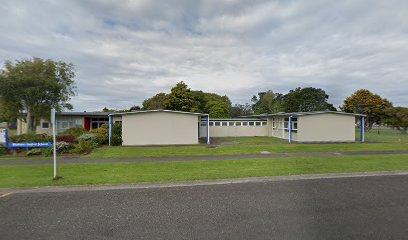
[158,101]
[31,87]
[365,102]
[239,110]
[306,100]
[180,98]
[267,102]
[398,118]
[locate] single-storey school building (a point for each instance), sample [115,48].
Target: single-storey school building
[165,127]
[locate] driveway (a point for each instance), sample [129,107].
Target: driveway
[370,207]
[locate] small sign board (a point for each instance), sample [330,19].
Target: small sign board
[30,145]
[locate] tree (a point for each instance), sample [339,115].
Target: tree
[34,86]
[239,110]
[134,108]
[158,101]
[365,102]
[398,118]
[268,102]
[306,100]
[180,98]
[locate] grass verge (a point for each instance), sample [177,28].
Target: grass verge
[178,151]
[120,173]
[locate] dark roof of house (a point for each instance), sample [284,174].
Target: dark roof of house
[305,113]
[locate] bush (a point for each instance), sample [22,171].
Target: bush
[46,152]
[63,147]
[116,140]
[67,138]
[3,150]
[30,137]
[82,147]
[34,152]
[76,132]
[117,134]
[88,137]
[101,135]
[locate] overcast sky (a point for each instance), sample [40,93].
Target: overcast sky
[126,51]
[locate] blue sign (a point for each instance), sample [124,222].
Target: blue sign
[30,145]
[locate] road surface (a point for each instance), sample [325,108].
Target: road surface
[373,207]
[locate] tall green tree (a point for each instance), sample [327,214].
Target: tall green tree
[306,100]
[31,87]
[365,102]
[239,110]
[158,101]
[398,118]
[180,98]
[267,102]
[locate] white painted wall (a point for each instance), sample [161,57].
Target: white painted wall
[159,128]
[328,127]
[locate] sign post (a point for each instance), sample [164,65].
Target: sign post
[53,122]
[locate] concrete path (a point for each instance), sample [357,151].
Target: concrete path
[196,158]
[367,207]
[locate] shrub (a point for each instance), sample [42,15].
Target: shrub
[116,140]
[46,152]
[30,137]
[116,134]
[34,152]
[82,147]
[67,138]
[63,147]
[3,150]
[76,132]
[101,135]
[88,137]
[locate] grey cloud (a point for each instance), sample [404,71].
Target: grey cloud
[126,51]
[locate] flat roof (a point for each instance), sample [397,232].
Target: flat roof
[83,113]
[158,110]
[236,119]
[305,113]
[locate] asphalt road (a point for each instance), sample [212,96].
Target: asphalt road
[340,208]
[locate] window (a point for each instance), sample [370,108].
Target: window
[244,123]
[258,124]
[224,124]
[78,123]
[231,124]
[286,125]
[45,125]
[65,125]
[98,122]
[217,124]
[251,123]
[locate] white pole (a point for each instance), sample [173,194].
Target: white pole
[53,122]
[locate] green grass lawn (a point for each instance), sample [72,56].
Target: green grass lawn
[177,151]
[384,136]
[120,173]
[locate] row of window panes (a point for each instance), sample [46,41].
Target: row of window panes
[285,125]
[98,122]
[235,124]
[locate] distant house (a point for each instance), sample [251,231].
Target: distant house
[67,120]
